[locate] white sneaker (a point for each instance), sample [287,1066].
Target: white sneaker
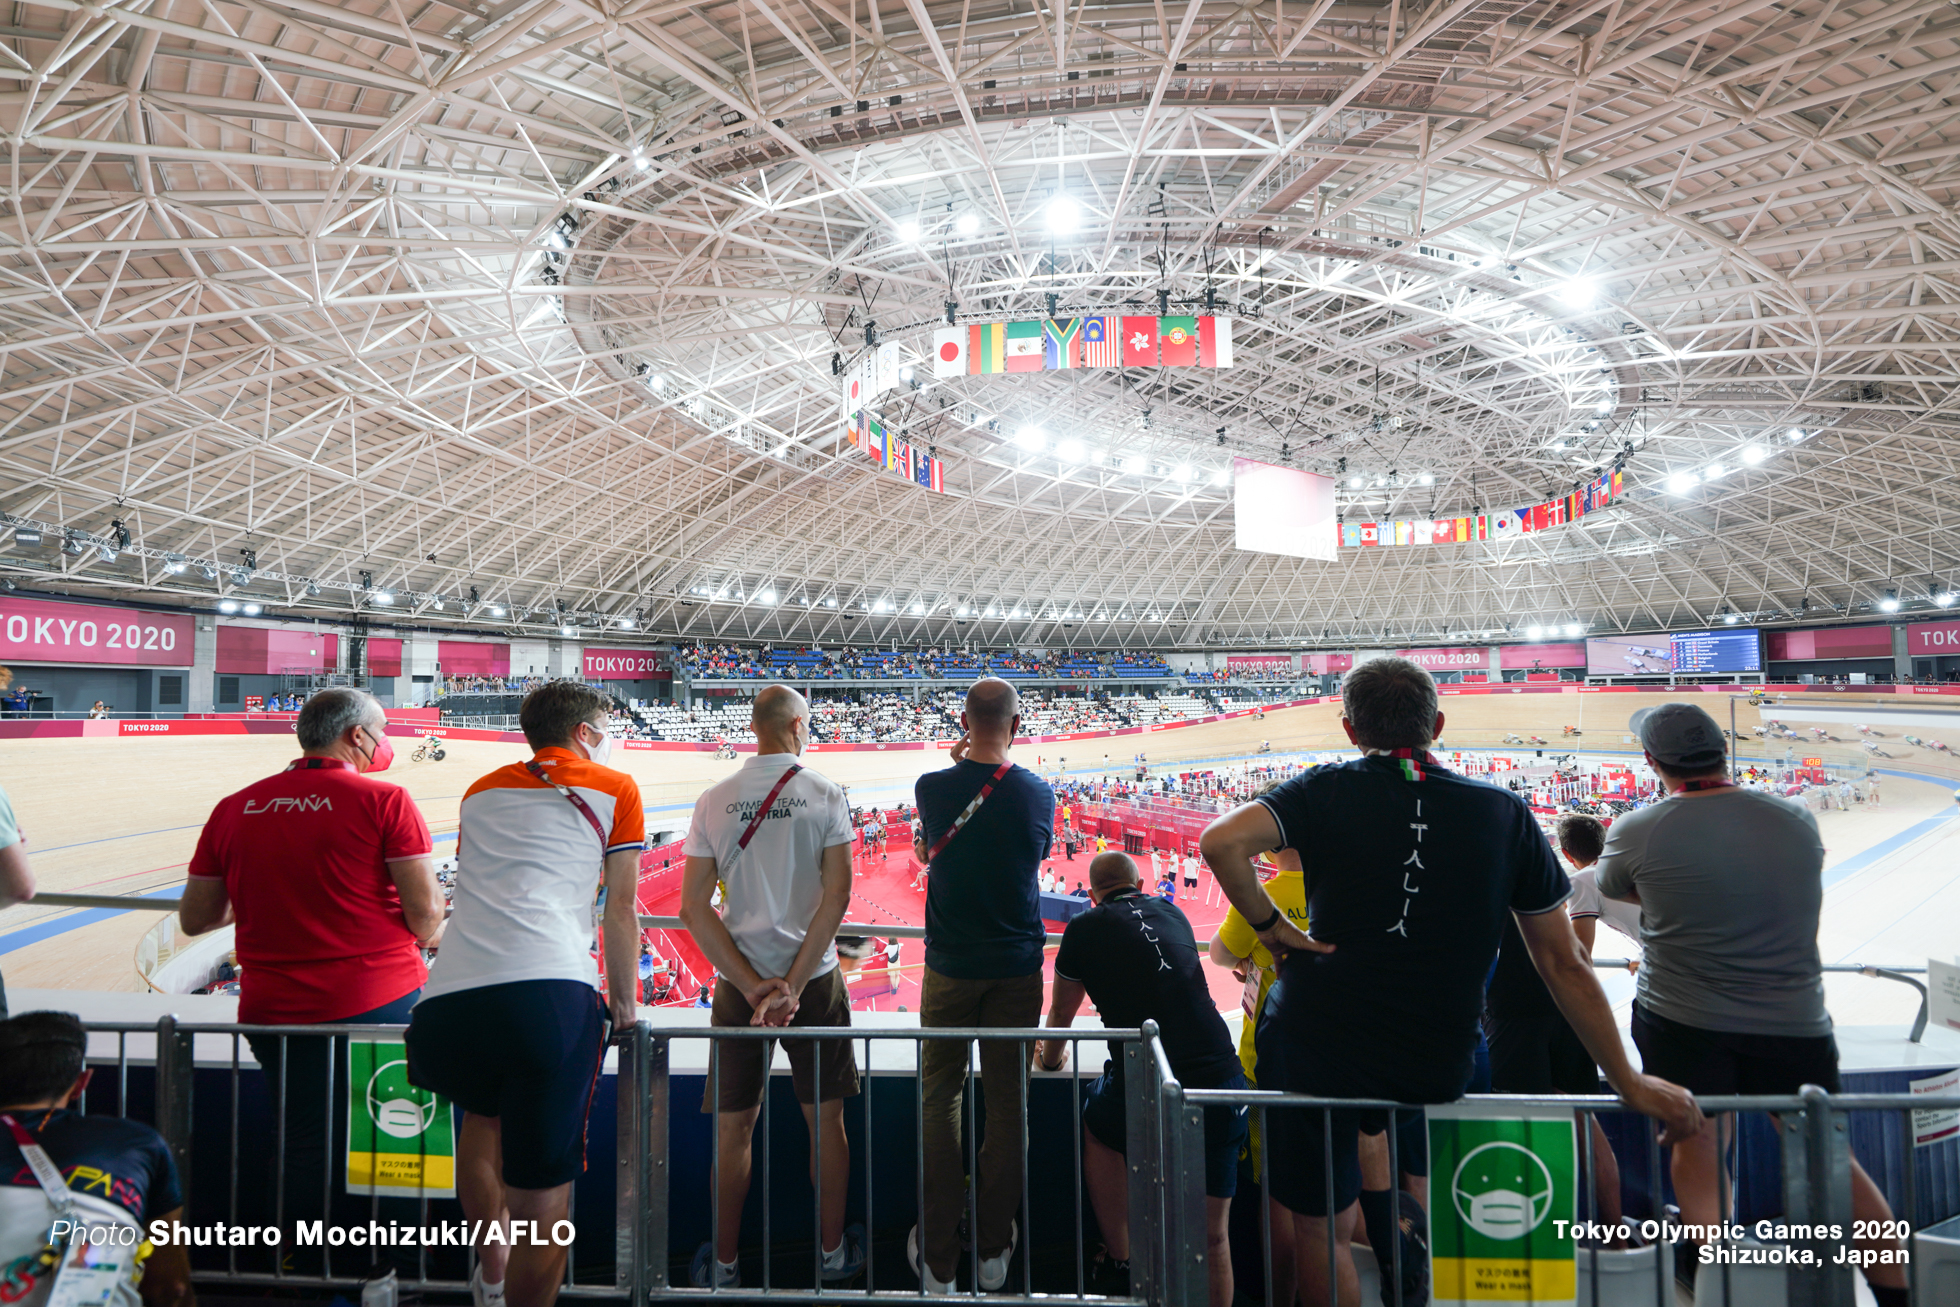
[993,1270]
[927,1281]
[481,1295]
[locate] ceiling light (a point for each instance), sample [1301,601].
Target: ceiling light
[991,612]
[1681,483]
[878,607]
[207,571]
[962,610]
[1715,472]
[626,623]
[1795,434]
[640,161]
[918,610]
[1354,483]
[1135,465]
[1015,613]
[1072,451]
[107,552]
[1944,598]
[1577,293]
[1754,454]
[907,372]
[1220,476]
[1604,407]
[967,224]
[908,229]
[767,597]
[1534,632]
[250,610]
[172,563]
[1573,630]
[1427,478]
[435,601]
[830,603]
[1558,446]
[383,597]
[227,606]
[567,630]
[496,610]
[1730,619]
[1032,439]
[1064,215]
[1182,472]
[1890,603]
[313,589]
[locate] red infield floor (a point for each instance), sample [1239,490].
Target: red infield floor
[883,893]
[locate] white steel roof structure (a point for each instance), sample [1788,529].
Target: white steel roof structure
[538,301]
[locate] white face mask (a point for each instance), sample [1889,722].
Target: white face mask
[601,752]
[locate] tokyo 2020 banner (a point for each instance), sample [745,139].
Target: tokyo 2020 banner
[46,631]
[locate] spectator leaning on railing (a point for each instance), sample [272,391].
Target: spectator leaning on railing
[330,878]
[1411,871]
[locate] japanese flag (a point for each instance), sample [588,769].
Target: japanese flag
[949,352]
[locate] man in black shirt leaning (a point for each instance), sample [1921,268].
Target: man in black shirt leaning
[1411,873]
[1135,957]
[985,826]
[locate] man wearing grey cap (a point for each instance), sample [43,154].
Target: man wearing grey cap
[1730,883]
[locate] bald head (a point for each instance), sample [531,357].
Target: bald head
[992,705]
[775,717]
[1111,872]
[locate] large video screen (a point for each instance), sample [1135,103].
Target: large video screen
[1282,510]
[1689,653]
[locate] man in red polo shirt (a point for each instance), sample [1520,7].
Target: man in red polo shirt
[330,878]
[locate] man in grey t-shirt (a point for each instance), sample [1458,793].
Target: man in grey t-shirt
[1730,884]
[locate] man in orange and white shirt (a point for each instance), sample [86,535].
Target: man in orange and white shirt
[511,1026]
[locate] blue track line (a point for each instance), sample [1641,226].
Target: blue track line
[41,930]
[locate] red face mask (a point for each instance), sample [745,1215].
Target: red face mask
[383,755]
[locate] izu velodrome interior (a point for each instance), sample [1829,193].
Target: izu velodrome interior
[1170,362]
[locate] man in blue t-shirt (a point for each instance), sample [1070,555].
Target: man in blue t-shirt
[1411,873]
[118,1172]
[985,825]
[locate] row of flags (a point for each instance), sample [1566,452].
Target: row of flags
[1502,525]
[1055,344]
[886,450]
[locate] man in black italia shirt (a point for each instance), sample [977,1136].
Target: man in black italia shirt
[1411,873]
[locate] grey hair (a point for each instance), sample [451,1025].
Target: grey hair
[330,714]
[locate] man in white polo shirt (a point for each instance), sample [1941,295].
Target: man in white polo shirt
[777,837]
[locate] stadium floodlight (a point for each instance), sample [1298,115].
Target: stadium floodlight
[626,623]
[1182,472]
[1031,438]
[907,229]
[251,610]
[640,161]
[1715,472]
[1015,614]
[207,571]
[1730,619]
[435,602]
[1534,632]
[567,630]
[313,589]
[1890,603]
[1220,476]
[1354,483]
[1682,483]
[27,535]
[1795,434]
[766,597]
[1754,454]
[173,563]
[227,605]
[107,552]
[382,597]
[991,611]
[1944,598]
[496,610]
[1064,215]
[1604,407]
[967,224]
[1135,465]
[1574,630]
[1072,451]
[918,610]
[907,372]
[1578,293]
[1427,479]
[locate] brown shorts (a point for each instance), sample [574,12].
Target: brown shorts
[826,1001]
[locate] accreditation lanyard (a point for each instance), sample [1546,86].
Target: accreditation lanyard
[755,822]
[585,809]
[971,808]
[1689,787]
[84,1271]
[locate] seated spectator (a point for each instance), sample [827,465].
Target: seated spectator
[1136,959]
[43,1069]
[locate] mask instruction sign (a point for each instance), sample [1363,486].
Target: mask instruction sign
[401,1140]
[1502,1203]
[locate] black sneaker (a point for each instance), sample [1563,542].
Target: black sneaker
[1414,1225]
[1109,1277]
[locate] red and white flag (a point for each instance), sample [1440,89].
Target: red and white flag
[949,352]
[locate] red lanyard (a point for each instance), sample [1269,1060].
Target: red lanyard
[585,809]
[971,808]
[1689,787]
[760,813]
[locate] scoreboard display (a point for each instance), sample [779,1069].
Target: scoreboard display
[1700,652]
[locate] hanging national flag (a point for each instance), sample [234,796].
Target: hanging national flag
[1350,533]
[986,348]
[1102,344]
[1616,482]
[1371,533]
[1405,533]
[1214,342]
[874,440]
[885,363]
[1024,346]
[1422,532]
[1503,525]
[936,479]
[1541,517]
[1061,343]
[1139,342]
[1180,342]
[902,464]
[854,428]
[949,351]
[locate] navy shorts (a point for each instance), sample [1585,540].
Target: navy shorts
[1104,1116]
[527,1053]
[1733,1062]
